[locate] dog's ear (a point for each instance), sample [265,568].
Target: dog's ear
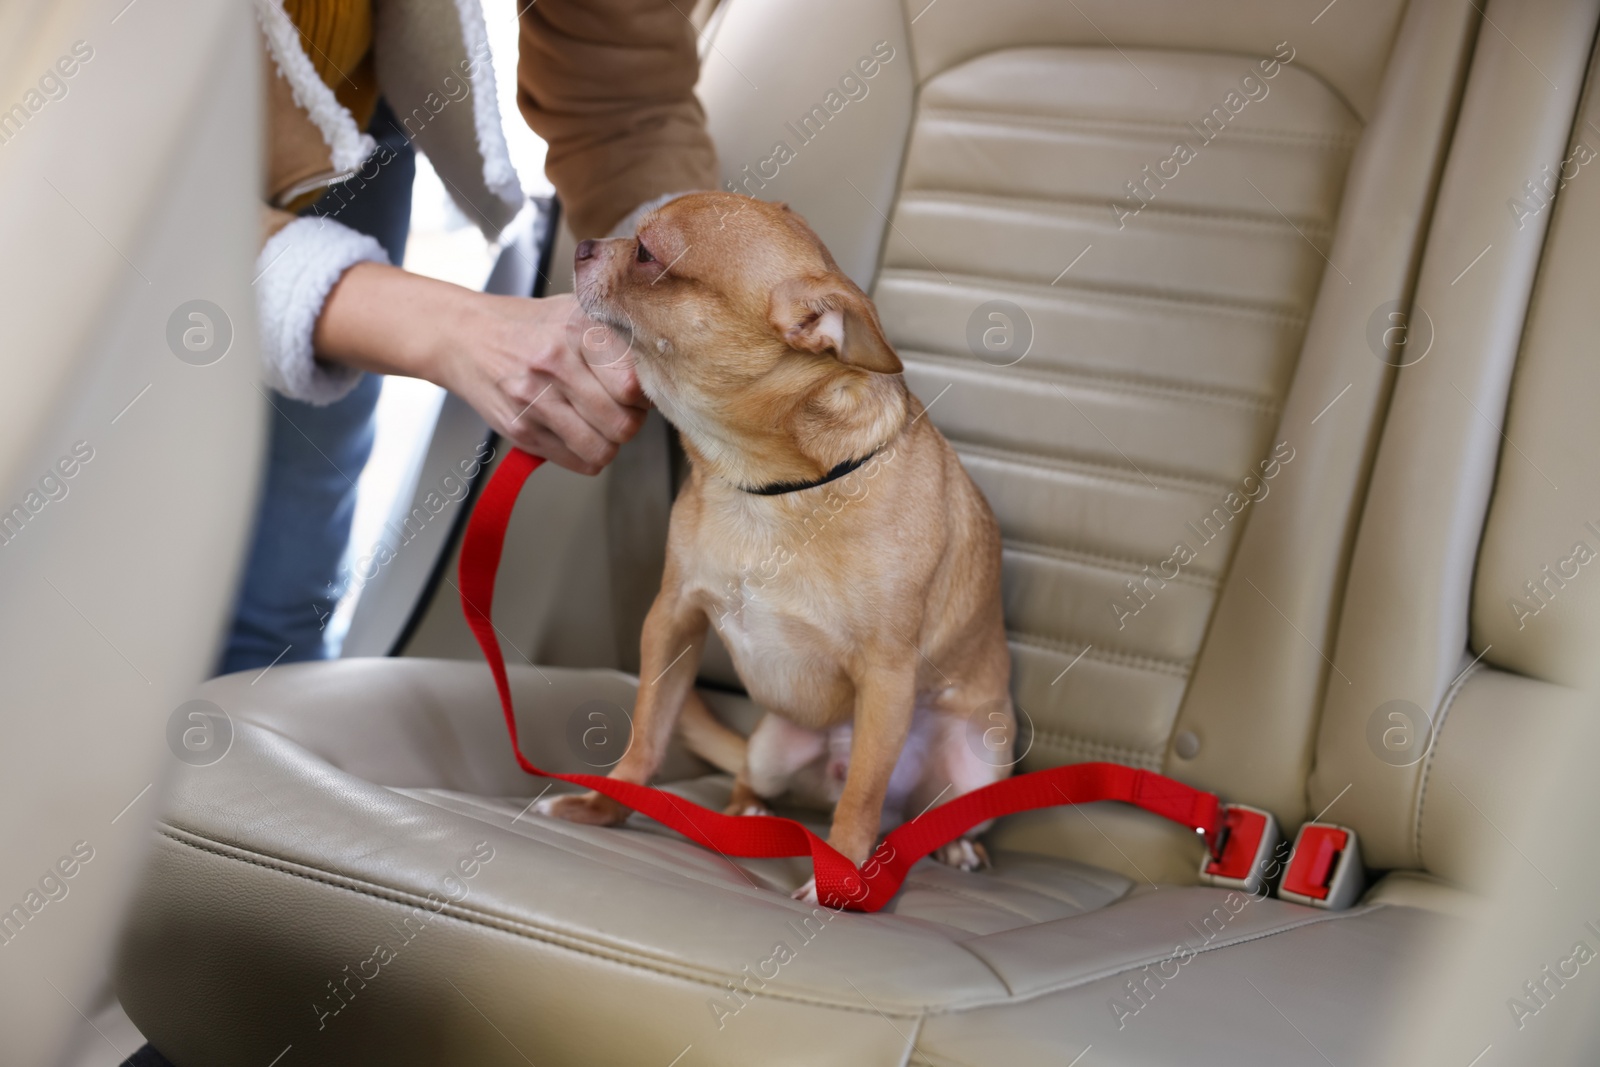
[829,315]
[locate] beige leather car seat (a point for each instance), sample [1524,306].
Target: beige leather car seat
[1480,501]
[128,458]
[1489,648]
[360,879]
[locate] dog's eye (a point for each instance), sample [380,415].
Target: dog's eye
[644,255]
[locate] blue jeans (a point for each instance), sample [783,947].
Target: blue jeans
[315,455]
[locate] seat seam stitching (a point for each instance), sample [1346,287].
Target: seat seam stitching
[939,1059]
[1063,899]
[1131,294]
[1176,668]
[1032,460]
[916,1035]
[558,939]
[520,928]
[1296,138]
[1178,217]
[1105,562]
[1081,372]
[568,842]
[1068,739]
[1289,318]
[1433,746]
[1077,983]
[1106,383]
[929,887]
[990,967]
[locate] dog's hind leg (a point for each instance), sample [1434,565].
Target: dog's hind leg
[777,749]
[709,738]
[965,754]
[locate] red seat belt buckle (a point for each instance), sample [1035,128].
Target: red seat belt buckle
[1325,868]
[1249,838]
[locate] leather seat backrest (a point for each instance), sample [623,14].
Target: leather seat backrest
[130,438]
[1181,216]
[1470,620]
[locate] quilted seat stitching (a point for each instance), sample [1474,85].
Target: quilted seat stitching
[1043,462]
[1295,319]
[1103,383]
[573,843]
[1175,668]
[1100,561]
[1289,138]
[1068,739]
[1172,217]
[929,887]
[1098,976]
[570,942]
[1111,292]
[1445,705]
[516,928]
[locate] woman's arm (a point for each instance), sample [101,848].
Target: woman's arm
[539,371]
[609,84]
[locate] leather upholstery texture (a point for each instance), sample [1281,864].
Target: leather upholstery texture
[1403,633]
[1348,47]
[1210,358]
[127,449]
[1263,660]
[1547,488]
[362,882]
[1156,382]
[1157,362]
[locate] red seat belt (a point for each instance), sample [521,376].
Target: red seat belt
[840,884]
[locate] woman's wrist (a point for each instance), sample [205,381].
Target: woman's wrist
[520,363]
[386,320]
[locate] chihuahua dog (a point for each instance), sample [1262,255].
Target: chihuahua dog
[826,530]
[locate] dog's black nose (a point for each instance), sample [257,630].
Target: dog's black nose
[585,250]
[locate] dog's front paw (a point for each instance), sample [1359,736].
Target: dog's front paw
[807,892]
[963,855]
[591,809]
[745,801]
[752,806]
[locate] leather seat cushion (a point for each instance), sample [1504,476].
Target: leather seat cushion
[359,876]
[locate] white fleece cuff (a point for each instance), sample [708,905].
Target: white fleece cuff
[295,272]
[348,147]
[630,221]
[498,172]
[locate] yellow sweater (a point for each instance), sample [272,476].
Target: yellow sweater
[608,83]
[337,36]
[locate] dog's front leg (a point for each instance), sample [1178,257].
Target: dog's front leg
[670,647]
[885,694]
[669,658]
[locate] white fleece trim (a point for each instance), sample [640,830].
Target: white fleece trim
[630,221]
[347,144]
[294,274]
[498,172]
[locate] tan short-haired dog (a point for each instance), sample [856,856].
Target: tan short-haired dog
[827,530]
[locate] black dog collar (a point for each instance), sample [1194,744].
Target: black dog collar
[779,488]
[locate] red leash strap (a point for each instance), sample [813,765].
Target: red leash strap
[839,882]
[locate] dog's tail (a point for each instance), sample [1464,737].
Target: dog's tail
[708,738]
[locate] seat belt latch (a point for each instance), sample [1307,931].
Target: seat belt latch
[1325,868]
[1248,840]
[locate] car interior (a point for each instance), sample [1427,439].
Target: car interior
[1269,331]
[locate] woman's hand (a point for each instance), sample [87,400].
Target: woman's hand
[540,372]
[546,377]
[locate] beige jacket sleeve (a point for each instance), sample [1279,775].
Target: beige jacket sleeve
[301,259]
[609,84]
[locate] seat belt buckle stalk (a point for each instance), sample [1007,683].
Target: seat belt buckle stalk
[1244,850]
[1325,868]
